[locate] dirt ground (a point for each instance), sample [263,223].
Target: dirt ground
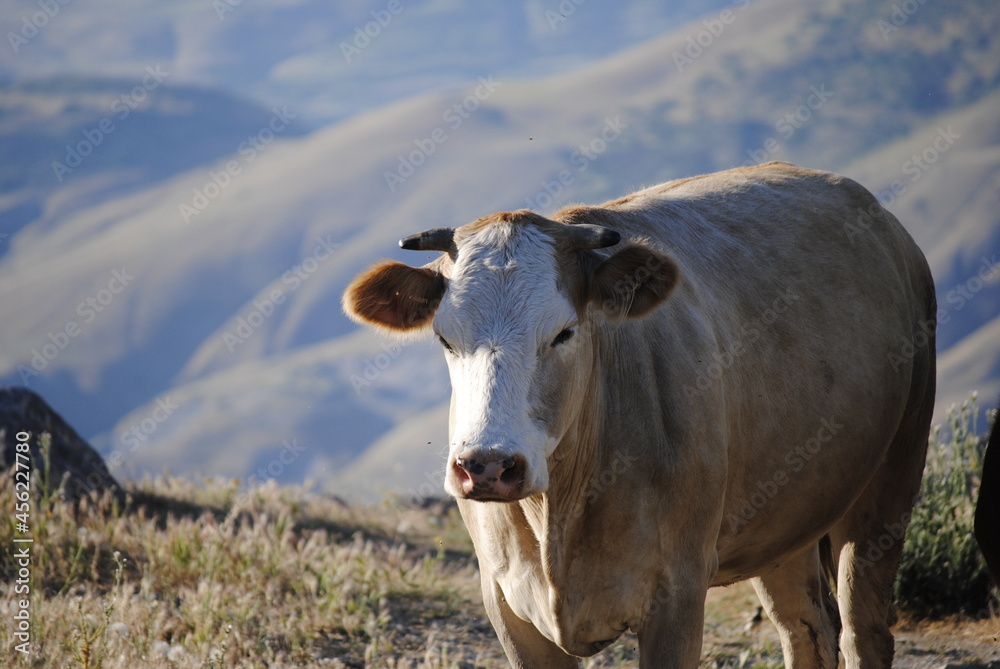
[457,632]
[729,634]
[925,645]
[733,640]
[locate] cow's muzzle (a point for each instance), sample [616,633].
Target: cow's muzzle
[490,476]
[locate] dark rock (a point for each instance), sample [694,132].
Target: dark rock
[74,466]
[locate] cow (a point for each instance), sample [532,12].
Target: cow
[724,377]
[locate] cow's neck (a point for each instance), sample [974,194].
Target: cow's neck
[581,474]
[556,515]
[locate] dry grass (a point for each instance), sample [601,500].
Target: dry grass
[209,575]
[187,575]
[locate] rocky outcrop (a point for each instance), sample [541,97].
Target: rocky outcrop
[73,465]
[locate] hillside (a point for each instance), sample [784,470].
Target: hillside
[89,139]
[329,61]
[209,283]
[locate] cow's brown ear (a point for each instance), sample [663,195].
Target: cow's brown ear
[634,281]
[394,297]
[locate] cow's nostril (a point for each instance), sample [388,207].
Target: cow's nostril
[513,474]
[471,465]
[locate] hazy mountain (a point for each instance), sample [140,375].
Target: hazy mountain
[192,318]
[72,142]
[325,60]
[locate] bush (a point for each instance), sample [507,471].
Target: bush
[942,571]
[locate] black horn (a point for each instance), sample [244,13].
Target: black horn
[588,236]
[438,239]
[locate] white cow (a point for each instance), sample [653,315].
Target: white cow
[718,378]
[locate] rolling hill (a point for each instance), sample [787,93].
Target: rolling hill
[189,318]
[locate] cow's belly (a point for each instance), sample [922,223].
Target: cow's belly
[795,493]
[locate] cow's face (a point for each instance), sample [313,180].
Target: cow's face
[515,304]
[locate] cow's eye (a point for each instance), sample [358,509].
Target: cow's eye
[563,337]
[444,342]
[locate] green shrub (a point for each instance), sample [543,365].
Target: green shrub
[942,571]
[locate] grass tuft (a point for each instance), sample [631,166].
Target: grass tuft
[942,571]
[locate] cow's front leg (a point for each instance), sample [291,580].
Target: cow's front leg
[670,631]
[525,646]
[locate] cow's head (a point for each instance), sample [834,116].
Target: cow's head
[515,300]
